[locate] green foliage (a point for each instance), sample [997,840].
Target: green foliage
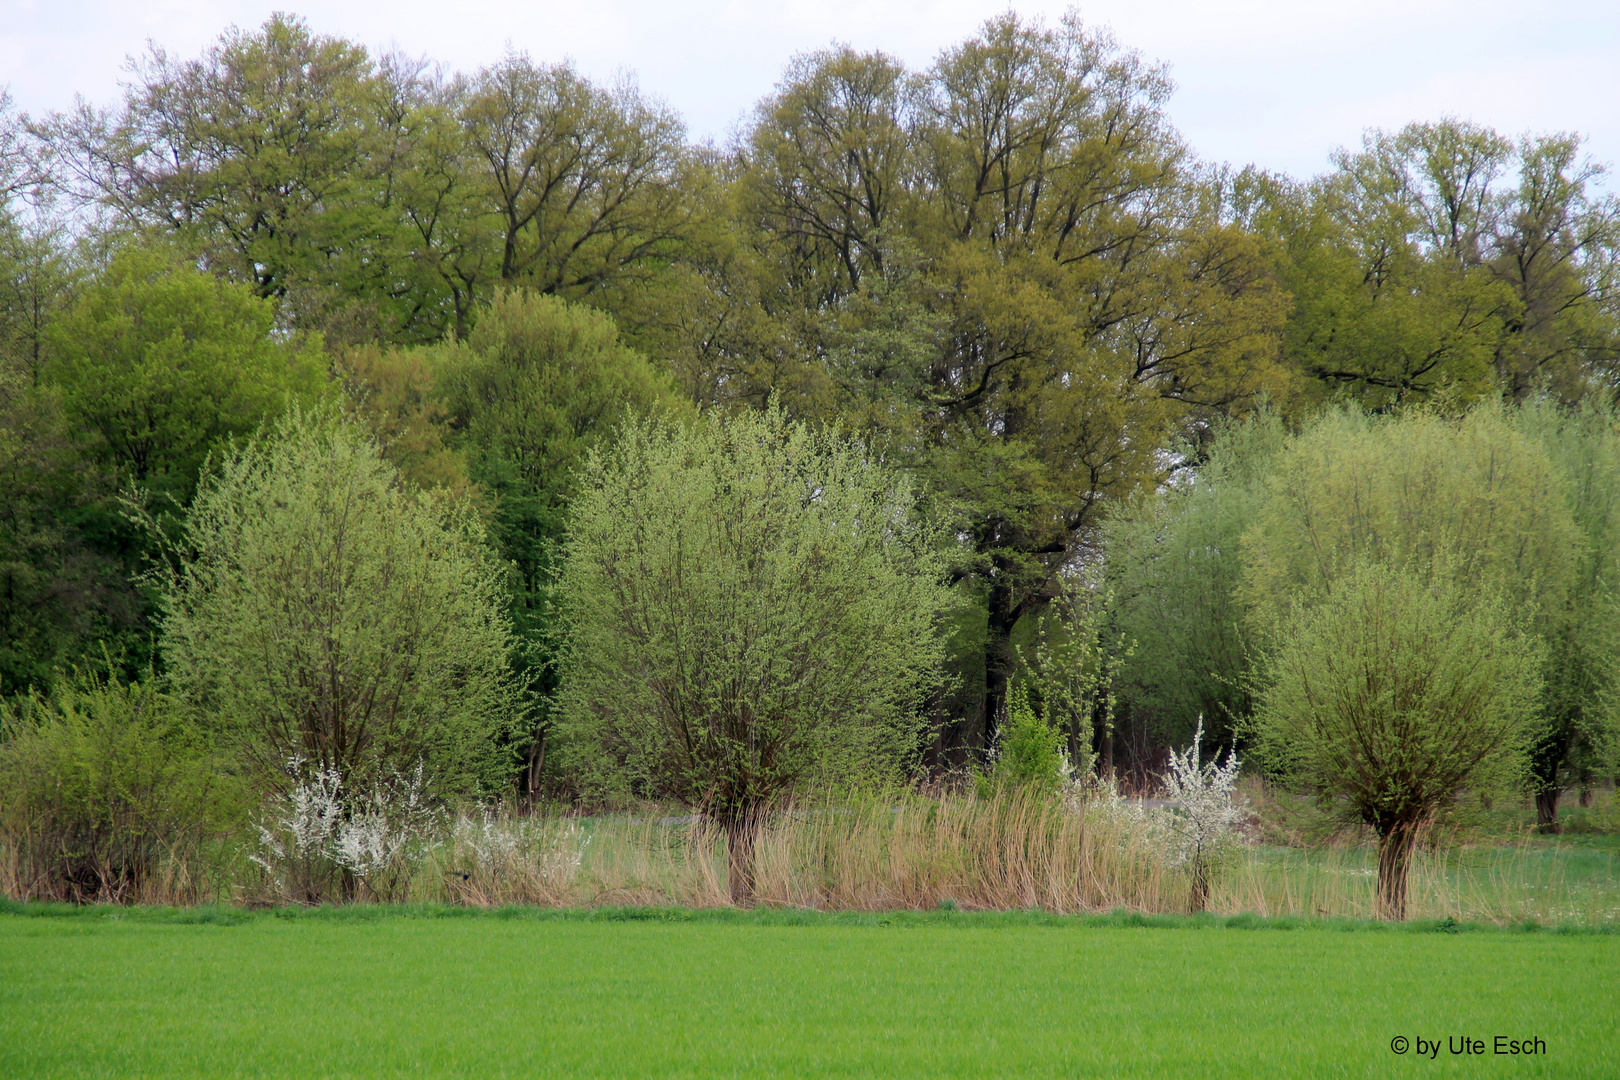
[1015,352]
[1418,273]
[1175,566]
[104,785]
[1029,751]
[159,362]
[1069,670]
[581,184]
[1579,730]
[324,610]
[537,384]
[1472,500]
[750,604]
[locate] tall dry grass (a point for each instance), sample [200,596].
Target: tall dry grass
[911,850]
[1015,850]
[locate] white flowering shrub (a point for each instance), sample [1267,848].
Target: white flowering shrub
[1201,824]
[317,841]
[499,859]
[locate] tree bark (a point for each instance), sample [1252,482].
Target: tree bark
[1199,900]
[1394,864]
[537,763]
[742,830]
[1547,759]
[997,659]
[1547,810]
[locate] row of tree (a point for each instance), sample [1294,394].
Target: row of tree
[1421,605]
[1003,276]
[1007,266]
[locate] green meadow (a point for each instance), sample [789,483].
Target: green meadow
[364,992]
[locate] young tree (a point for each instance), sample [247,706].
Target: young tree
[322,610]
[1203,815]
[1392,691]
[750,605]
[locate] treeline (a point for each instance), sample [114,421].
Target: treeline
[1004,279]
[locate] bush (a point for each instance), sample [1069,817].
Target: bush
[103,787]
[1028,751]
[327,612]
[321,841]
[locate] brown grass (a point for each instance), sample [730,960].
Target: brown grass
[910,850]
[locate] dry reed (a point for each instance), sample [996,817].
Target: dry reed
[911,850]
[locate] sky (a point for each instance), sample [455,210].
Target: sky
[1276,83]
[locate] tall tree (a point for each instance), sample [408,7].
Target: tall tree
[584,181]
[1417,270]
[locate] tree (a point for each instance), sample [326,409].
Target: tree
[1402,575]
[159,361]
[584,182]
[1174,561]
[1416,270]
[324,611]
[1579,716]
[1558,248]
[750,605]
[536,386]
[1059,292]
[255,150]
[1393,690]
[830,158]
[1202,815]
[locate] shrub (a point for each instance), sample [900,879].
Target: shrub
[319,840]
[1200,823]
[103,785]
[1028,751]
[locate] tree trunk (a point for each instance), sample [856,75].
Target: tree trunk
[537,763]
[742,829]
[1547,759]
[997,658]
[1394,863]
[1199,899]
[1547,810]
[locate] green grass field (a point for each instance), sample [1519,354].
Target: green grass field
[779,994]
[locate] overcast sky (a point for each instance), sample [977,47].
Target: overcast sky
[1274,82]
